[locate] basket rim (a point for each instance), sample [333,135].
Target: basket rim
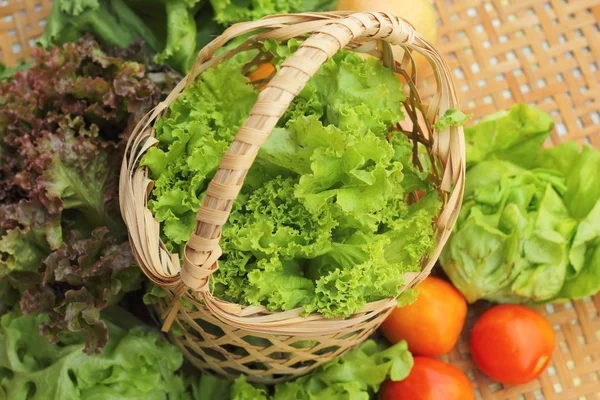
[327,30]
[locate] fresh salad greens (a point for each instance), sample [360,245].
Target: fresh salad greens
[173,30]
[356,375]
[529,229]
[63,125]
[232,11]
[322,221]
[135,364]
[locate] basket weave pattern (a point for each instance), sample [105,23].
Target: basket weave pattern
[228,338]
[21,22]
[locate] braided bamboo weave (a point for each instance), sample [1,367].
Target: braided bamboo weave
[230,339]
[21,22]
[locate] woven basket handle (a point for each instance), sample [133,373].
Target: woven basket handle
[202,250]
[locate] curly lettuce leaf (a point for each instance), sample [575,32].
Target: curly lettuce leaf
[28,233]
[322,221]
[135,364]
[193,138]
[97,271]
[272,232]
[353,94]
[452,117]
[232,11]
[79,174]
[356,375]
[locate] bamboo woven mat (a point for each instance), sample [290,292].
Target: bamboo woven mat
[21,22]
[543,52]
[546,53]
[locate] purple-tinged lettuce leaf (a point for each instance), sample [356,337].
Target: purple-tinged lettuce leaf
[63,129]
[78,280]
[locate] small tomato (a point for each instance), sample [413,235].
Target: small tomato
[429,379]
[512,344]
[432,324]
[261,72]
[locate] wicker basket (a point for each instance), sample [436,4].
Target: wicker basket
[214,334]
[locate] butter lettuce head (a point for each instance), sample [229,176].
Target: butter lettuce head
[528,231]
[322,221]
[582,199]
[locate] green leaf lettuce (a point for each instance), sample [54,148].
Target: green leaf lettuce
[135,364]
[322,221]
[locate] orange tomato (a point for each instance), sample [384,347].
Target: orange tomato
[432,324]
[261,72]
[512,344]
[429,379]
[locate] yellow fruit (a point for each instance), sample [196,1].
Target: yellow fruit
[420,13]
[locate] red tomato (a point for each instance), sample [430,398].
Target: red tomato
[512,344]
[431,325]
[430,379]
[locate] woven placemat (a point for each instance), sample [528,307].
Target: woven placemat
[21,22]
[546,53]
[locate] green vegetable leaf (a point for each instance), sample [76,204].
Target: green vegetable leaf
[322,221]
[527,232]
[135,364]
[180,48]
[97,271]
[452,117]
[511,243]
[356,375]
[583,183]
[515,135]
[76,7]
[208,387]
[6,73]
[232,11]
[63,245]
[243,390]
[29,233]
